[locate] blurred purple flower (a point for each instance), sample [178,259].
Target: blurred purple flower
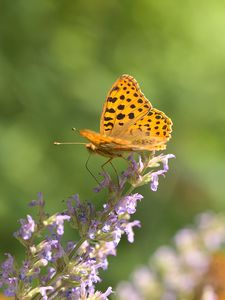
[39,202]
[27,228]
[12,284]
[7,266]
[43,291]
[129,230]
[8,276]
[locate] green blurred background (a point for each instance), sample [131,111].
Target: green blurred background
[58,59]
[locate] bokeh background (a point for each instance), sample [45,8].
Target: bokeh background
[57,61]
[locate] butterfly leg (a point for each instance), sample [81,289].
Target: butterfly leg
[110,162]
[86,166]
[105,163]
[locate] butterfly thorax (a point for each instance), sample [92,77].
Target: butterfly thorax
[103,151]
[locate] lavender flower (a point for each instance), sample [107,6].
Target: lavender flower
[55,269]
[155,175]
[128,204]
[57,221]
[8,276]
[192,269]
[27,228]
[43,291]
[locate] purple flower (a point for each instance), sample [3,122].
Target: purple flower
[60,223]
[26,229]
[103,296]
[11,283]
[107,293]
[57,221]
[43,290]
[39,202]
[133,171]
[93,228]
[72,207]
[106,182]
[128,204]
[165,160]
[117,236]
[155,175]
[8,276]
[155,179]
[106,228]
[7,266]
[129,230]
[70,270]
[51,250]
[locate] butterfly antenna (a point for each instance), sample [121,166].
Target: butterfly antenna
[69,143]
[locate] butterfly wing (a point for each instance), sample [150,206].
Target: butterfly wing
[129,122]
[125,104]
[151,132]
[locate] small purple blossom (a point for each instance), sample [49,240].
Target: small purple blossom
[103,296]
[8,277]
[43,291]
[128,204]
[106,182]
[73,203]
[129,230]
[39,202]
[155,179]
[51,250]
[117,236]
[60,223]
[165,160]
[133,172]
[27,228]
[7,266]
[154,176]
[57,221]
[12,284]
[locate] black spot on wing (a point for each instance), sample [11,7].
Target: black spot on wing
[108,118]
[131,115]
[120,116]
[121,107]
[108,124]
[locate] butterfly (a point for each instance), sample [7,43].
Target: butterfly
[129,123]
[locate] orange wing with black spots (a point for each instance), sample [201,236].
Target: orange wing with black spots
[128,122]
[151,132]
[125,103]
